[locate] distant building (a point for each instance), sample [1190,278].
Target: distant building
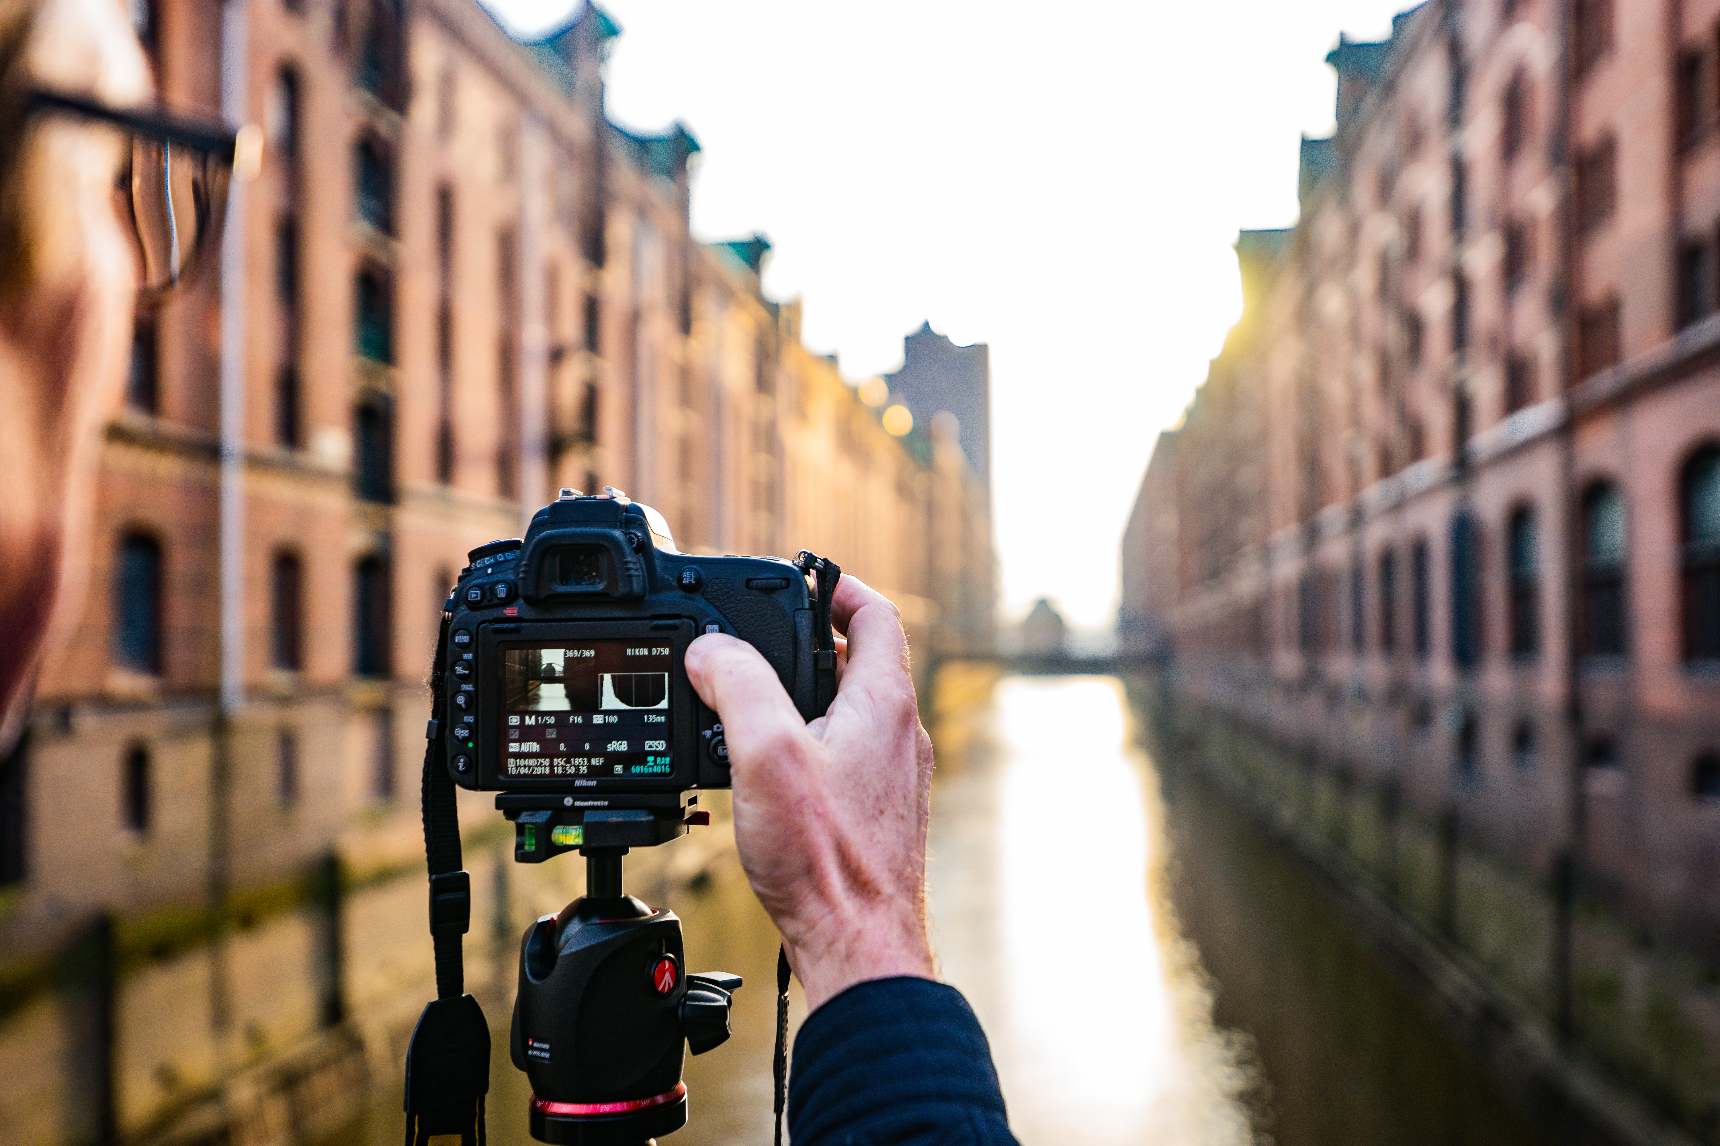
[1043,631]
[937,376]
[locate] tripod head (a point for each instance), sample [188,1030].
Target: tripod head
[605,1007]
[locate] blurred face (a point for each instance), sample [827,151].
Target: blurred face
[66,301]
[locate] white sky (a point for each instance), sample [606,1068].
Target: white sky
[1060,181]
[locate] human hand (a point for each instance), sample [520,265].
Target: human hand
[830,817]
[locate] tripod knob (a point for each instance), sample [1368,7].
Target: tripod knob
[705,1009]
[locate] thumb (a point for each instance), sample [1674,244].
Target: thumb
[734,679]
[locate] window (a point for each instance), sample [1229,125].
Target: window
[1468,753]
[1412,338]
[1524,753]
[445,237]
[1459,198]
[1601,622]
[286,617]
[1519,382]
[1514,117]
[134,789]
[374,328]
[1705,778]
[373,439]
[1466,644]
[281,121]
[286,768]
[1595,188]
[1690,107]
[287,285]
[1421,628]
[137,604]
[1591,32]
[287,403]
[593,322]
[1695,281]
[370,619]
[373,182]
[1388,601]
[377,68]
[445,385]
[1597,338]
[1459,313]
[587,429]
[1514,267]
[1358,609]
[1308,612]
[1700,506]
[1524,575]
[142,390]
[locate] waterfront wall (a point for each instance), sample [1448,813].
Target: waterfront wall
[1495,942]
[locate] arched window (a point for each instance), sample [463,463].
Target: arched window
[370,618]
[137,604]
[134,785]
[1601,619]
[1699,505]
[286,617]
[1525,581]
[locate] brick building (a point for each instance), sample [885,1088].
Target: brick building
[461,287]
[1444,514]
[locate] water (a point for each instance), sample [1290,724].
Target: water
[1149,969]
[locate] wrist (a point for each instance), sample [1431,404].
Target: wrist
[829,959]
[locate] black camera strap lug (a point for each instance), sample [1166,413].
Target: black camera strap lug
[825,574]
[448,1061]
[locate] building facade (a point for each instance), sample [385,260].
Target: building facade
[460,287]
[1444,515]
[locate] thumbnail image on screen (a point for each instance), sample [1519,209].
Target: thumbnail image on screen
[588,710]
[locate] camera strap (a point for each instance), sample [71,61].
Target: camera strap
[448,1060]
[825,573]
[779,1065]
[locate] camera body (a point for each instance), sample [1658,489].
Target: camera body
[565,675]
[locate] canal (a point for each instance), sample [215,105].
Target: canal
[1150,968]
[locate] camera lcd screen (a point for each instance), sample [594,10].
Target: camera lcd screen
[589,710]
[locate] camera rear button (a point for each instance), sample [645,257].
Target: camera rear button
[462,637]
[475,595]
[502,590]
[462,763]
[462,669]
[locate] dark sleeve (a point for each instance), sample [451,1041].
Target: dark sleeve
[894,1062]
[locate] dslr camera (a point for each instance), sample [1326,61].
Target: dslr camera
[565,691]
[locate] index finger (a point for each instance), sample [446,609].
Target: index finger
[873,627]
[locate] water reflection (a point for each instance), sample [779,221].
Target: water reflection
[1047,853]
